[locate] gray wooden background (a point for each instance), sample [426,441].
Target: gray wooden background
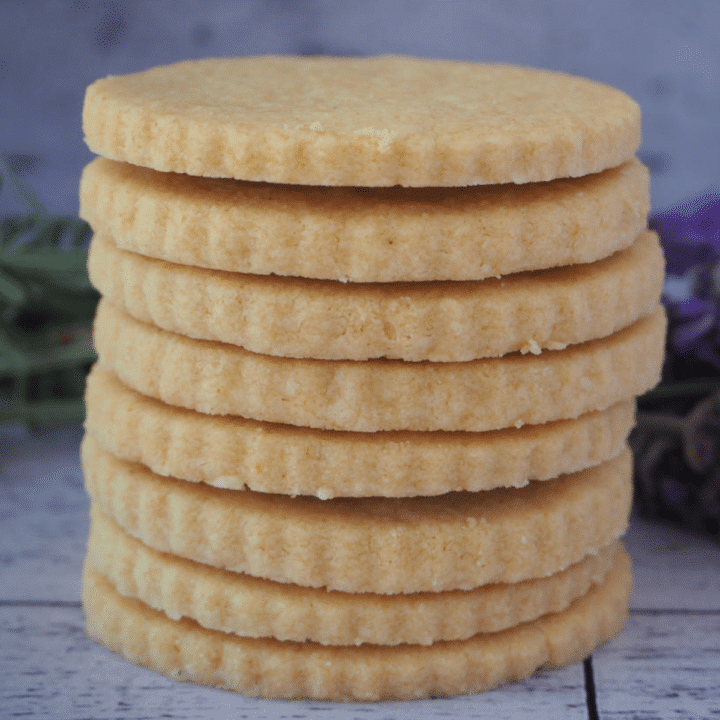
[665,53]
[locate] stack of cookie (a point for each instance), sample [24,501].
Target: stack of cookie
[369,343]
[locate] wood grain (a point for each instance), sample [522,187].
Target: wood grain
[666,664]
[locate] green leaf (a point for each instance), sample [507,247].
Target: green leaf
[12,291]
[35,208]
[46,309]
[43,412]
[57,270]
[14,361]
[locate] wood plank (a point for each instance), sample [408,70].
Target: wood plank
[673,567]
[43,514]
[665,665]
[50,669]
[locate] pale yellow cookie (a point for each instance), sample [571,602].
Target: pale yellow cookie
[361,121]
[480,395]
[248,606]
[271,668]
[381,545]
[232,452]
[366,234]
[436,321]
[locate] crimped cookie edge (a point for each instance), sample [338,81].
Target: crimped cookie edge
[268,668]
[248,229]
[370,545]
[235,453]
[120,124]
[439,322]
[249,607]
[372,395]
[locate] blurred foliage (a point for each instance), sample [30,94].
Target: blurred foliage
[677,438]
[46,310]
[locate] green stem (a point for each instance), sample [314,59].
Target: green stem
[26,194]
[685,389]
[661,422]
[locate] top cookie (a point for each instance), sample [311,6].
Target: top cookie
[379,121]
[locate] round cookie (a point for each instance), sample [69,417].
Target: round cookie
[456,541]
[361,121]
[235,453]
[436,321]
[366,234]
[488,394]
[251,607]
[270,668]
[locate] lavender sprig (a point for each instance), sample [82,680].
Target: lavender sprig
[677,438]
[46,309]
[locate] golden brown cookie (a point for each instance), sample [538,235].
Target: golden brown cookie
[235,453]
[271,668]
[251,607]
[436,321]
[366,234]
[361,121]
[381,545]
[480,395]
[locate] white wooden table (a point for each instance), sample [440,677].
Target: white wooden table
[665,665]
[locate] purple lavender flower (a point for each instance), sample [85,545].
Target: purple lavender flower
[694,332]
[677,438]
[690,232]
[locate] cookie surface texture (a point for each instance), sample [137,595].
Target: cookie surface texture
[366,234]
[235,453]
[251,607]
[438,321]
[361,122]
[381,545]
[480,395]
[275,669]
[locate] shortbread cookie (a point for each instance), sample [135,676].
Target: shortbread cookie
[480,395]
[361,121]
[436,321]
[366,234]
[235,453]
[240,604]
[271,668]
[381,545]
